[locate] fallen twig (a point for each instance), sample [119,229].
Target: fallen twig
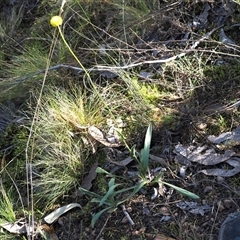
[104,225]
[127,215]
[116,68]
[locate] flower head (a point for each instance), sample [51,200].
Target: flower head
[56,21]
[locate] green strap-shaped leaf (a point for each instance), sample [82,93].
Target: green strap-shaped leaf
[111,182]
[109,194]
[182,191]
[101,170]
[144,156]
[89,193]
[135,190]
[97,215]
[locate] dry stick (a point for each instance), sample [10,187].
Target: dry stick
[112,68]
[193,47]
[104,225]
[50,68]
[127,215]
[215,218]
[220,53]
[61,8]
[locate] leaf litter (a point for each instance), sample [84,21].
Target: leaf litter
[44,229]
[53,216]
[208,156]
[193,207]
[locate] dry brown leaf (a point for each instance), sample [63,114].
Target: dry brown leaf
[227,137]
[122,163]
[220,172]
[47,232]
[204,15]
[234,162]
[162,237]
[53,216]
[87,181]
[209,157]
[19,227]
[162,161]
[203,155]
[15,228]
[98,135]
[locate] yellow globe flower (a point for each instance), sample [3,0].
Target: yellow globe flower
[56,21]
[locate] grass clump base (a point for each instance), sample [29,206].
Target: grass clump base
[63,142]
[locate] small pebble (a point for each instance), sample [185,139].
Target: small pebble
[227,203]
[220,206]
[207,189]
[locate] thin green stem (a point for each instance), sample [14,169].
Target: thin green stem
[84,69]
[71,51]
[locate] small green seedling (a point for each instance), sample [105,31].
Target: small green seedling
[143,160]
[144,167]
[143,157]
[112,198]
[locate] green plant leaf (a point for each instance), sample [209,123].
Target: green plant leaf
[89,193]
[97,200]
[111,182]
[182,191]
[144,156]
[101,170]
[123,139]
[97,215]
[133,153]
[158,177]
[135,190]
[109,194]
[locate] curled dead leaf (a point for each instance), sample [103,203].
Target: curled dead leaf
[98,135]
[53,216]
[87,181]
